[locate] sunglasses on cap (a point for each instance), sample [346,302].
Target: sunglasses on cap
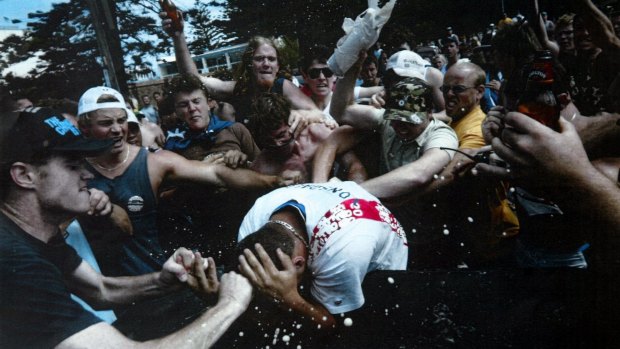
[314,73]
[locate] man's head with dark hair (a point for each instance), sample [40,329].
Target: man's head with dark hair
[370,68]
[189,97]
[318,54]
[186,83]
[269,123]
[271,237]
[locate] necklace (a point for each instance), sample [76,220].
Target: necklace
[292,230]
[110,169]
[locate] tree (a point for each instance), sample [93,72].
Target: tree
[65,41]
[311,22]
[207,35]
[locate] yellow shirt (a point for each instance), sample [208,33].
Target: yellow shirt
[469,129]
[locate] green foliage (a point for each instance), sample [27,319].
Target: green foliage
[206,32]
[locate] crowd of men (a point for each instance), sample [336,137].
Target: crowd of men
[403,163]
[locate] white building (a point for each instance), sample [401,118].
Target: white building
[225,57]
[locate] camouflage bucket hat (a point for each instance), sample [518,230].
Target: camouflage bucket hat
[409,100]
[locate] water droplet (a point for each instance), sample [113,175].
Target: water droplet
[435,176]
[241,334]
[446,232]
[286,338]
[348,322]
[390,280]
[470,219]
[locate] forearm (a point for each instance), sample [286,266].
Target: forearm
[185,64]
[340,141]
[600,134]
[398,183]
[323,162]
[343,94]
[246,179]
[116,291]
[599,25]
[315,313]
[204,331]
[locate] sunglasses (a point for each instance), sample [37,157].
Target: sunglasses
[457,89]
[314,73]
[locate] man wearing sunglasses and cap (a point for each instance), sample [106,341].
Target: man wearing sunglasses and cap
[411,138]
[43,184]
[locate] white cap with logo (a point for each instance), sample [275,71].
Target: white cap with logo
[407,63]
[88,101]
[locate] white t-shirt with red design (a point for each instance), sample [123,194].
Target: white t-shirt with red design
[350,233]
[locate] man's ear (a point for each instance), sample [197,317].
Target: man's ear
[299,262]
[24,175]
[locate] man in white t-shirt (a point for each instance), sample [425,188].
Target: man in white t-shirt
[337,232]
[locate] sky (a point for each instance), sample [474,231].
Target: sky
[19,9]
[11,10]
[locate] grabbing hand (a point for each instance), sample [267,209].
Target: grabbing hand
[235,158]
[290,177]
[177,268]
[169,26]
[538,155]
[100,204]
[263,274]
[214,159]
[377,100]
[493,124]
[201,282]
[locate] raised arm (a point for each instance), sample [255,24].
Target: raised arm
[343,95]
[541,32]
[185,64]
[341,140]
[599,25]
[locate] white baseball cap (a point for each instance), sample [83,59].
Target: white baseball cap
[88,101]
[407,63]
[131,116]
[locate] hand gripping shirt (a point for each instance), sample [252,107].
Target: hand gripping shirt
[350,234]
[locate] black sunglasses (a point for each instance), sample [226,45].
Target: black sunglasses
[457,89]
[314,73]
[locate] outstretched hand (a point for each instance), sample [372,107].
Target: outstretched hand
[538,155]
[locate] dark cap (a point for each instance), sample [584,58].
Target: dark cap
[39,132]
[409,100]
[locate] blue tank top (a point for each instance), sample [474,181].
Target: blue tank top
[141,253]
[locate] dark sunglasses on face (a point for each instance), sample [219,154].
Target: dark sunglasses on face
[456,89]
[314,73]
